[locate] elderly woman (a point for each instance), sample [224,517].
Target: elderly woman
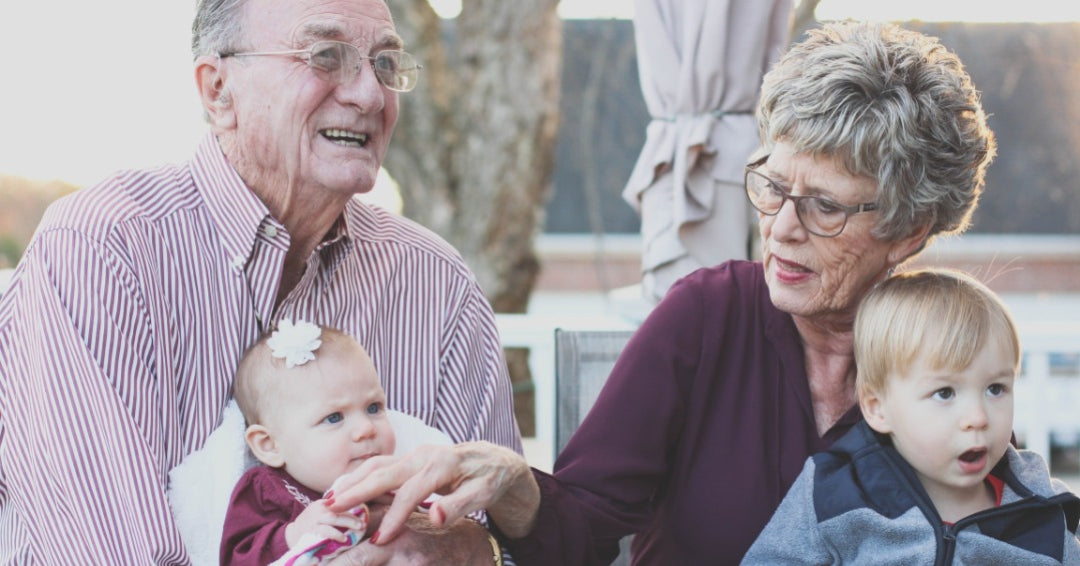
[874,143]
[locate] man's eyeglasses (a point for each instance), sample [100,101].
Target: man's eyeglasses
[820,216]
[341,62]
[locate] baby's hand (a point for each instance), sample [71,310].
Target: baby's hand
[318,519]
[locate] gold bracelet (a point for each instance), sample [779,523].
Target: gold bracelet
[496,550]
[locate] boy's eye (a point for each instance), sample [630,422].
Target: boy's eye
[374,408]
[997,389]
[333,418]
[944,394]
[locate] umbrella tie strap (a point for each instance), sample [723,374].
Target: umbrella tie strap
[714,114]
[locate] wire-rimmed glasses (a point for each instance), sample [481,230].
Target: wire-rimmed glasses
[341,62]
[820,216]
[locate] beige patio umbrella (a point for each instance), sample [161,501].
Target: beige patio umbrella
[700,64]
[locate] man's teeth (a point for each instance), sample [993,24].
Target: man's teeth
[345,137]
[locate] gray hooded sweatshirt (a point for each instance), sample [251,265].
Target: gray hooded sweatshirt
[861,503]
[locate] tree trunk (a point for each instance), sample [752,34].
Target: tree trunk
[473,153]
[474,149]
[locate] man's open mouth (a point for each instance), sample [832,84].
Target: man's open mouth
[345,137]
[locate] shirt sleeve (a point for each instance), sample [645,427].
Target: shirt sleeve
[254,532]
[82,442]
[613,466]
[475,401]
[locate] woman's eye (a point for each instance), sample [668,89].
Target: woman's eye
[826,206]
[333,418]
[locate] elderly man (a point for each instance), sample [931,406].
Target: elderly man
[128,314]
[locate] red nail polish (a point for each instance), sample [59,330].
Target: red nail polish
[330,502]
[375,538]
[329,495]
[438,515]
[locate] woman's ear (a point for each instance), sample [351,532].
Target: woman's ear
[904,248]
[262,445]
[210,79]
[873,411]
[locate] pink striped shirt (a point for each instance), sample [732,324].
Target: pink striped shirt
[129,312]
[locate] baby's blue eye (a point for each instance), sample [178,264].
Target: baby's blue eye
[997,389]
[333,418]
[373,409]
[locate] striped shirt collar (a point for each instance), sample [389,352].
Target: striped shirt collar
[237,211]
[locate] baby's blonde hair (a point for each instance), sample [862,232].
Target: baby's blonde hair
[253,384]
[944,314]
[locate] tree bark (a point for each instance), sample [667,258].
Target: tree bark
[473,154]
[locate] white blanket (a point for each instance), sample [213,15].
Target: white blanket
[200,487]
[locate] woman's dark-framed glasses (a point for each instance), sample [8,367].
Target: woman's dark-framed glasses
[340,62]
[820,216]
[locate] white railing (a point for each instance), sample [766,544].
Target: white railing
[1047,398]
[537,333]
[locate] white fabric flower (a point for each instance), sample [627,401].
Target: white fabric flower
[296,342]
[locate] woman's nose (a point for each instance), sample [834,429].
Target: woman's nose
[786,223]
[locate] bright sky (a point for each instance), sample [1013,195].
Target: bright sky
[92,87]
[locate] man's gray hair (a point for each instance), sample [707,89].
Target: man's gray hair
[216,28]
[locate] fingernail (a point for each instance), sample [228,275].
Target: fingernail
[438,515]
[329,495]
[330,502]
[375,538]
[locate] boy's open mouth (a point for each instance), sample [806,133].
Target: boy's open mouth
[973,455]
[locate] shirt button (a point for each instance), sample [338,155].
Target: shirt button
[238,262]
[270,231]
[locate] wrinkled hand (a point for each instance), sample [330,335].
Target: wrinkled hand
[471,476]
[320,520]
[422,544]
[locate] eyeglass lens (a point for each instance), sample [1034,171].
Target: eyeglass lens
[820,216]
[396,70]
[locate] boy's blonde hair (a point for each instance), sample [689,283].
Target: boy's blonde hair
[252,385]
[945,315]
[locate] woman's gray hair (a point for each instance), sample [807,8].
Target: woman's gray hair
[893,105]
[216,28]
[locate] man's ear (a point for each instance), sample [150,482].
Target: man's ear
[262,444]
[873,411]
[210,79]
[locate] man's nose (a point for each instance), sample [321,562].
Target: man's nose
[363,89]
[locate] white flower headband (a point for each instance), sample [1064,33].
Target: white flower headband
[296,342]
